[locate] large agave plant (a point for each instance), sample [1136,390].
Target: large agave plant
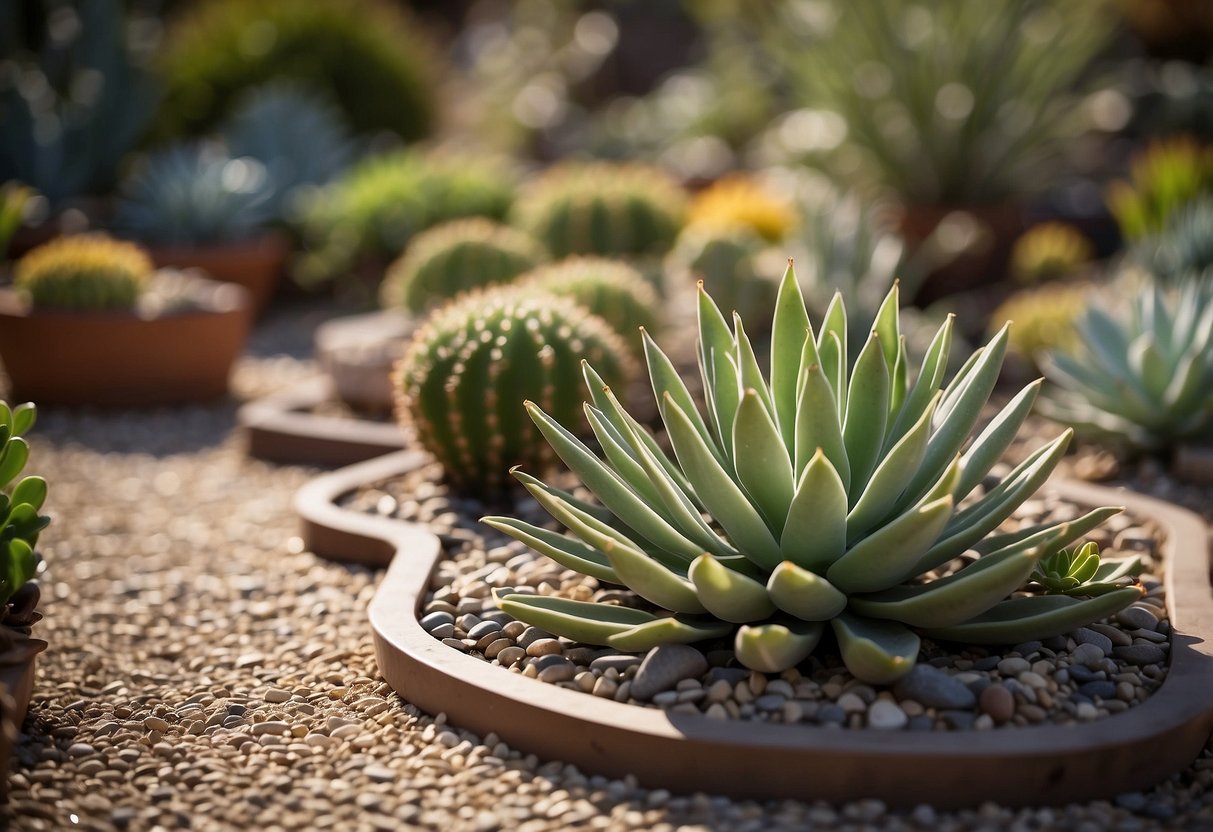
[819,496]
[1143,372]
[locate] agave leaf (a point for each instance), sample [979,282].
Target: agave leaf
[867,414]
[599,513]
[727,594]
[887,325]
[1067,532]
[762,463]
[672,630]
[833,357]
[993,442]
[583,621]
[22,418]
[876,652]
[651,580]
[619,455]
[890,477]
[1148,364]
[899,380]
[666,381]
[790,328]
[958,597]
[817,426]
[569,553]
[815,534]
[889,555]
[13,459]
[776,647]
[31,491]
[748,373]
[1035,617]
[720,385]
[930,376]
[720,495]
[804,594]
[592,531]
[611,489]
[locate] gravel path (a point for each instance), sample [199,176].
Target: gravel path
[204,673]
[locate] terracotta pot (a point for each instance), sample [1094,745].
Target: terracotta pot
[16,689]
[358,353]
[1037,765]
[255,264]
[984,263]
[120,358]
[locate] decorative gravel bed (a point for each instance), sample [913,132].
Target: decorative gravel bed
[1090,673]
[206,674]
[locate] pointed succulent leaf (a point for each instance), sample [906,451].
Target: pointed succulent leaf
[651,580]
[817,425]
[876,652]
[804,594]
[900,382]
[666,381]
[720,383]
[776,647]
[729,595]
[569,553]
[887,325]
[867,412]
[930,377]
[889,555]
[1034,617]
[815,534]
[583,621]
[748,372]
[619,455]
[790,328]
[761,460]
[1068,532]
[672,630]
[993,442]
[833,356]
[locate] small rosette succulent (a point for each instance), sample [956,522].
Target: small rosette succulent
[1077,570]
[456,257]
[1167,176]
[1142,373]
[818,497]
[84,272]
[460,379]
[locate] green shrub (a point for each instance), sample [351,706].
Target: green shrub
[84,272]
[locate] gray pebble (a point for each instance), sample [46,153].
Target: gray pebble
[619,661]
[531,635]
[933,688]
[483,629]
[1140,654]
[831,713]
[1102,689]
[1085,635]
[1117,636]
[435,619]
[1137,617]
[887,716]
[664,666]
[1088,655]
[769,702]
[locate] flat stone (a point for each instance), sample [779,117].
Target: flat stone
[483,629]
[1082,674]
[987,663]
[933,688]
[886,716]
[1117,636]
[619,661]
[1102,689]
[1137,617]
[959,720]
[1087,655]
[436,619]
[155,723]
[543,647]
[1140,654]
[732,675]
[831,713]
[1013,666]
[558,672]
[276,696]
[998,703]
[530,635]
[80,749]
[1085,635]
[770,702]
[664,667]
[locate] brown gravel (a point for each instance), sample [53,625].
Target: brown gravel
[206,674]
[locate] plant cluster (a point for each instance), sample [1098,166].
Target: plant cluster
[1050,251]
[463,373]
[1184,246]
[379,204]
[611,210]
[20,523]
[1169,175]
[1044,317]
[363,54]
[84,272]
[455,257]
[821,495]
[1141,372]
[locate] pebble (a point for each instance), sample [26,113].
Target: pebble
[1140,654]
[1088,655]
[1138,617]
[664,666]
[933,688]
[277,695]
[998,703]
[1084,635]
[886,715]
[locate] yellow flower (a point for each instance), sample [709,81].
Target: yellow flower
[741,201]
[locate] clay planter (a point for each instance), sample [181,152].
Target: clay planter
[282,428]
[982,266]
[358,353]
[16,689]
[122,358]
[255,264]
[1040,765]
[1193,462]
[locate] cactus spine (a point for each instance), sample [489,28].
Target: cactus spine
[610,289]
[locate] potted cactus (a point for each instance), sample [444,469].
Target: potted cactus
[21,500]
[88,320]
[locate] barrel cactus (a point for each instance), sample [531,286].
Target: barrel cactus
[819,496]
[1050,251]
[462,380]
[602,208]
[727,260]
[610,289]
[455,257]
[1141,373]
[84,272]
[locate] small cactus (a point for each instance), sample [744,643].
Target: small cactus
[85,272]
[455,257]
[610,289]
[727,259]
[1044,318]
[462,382]
[742,201]
[602,208]
[1050,251]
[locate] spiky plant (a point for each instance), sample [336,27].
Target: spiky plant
[602,208]
[1168,175]
[85,272]
[818,497]
[610,289]
[20,522]
[1184,246]
[459,382]
[1077,570]
[1044,317]
[726,259]
[1141,373]
[1050,251]
[372,211]
[740,200]
[455,257]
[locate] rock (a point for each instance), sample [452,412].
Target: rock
[886,716]
[1117,636]
[1013,666]
[831,714]
[1082,674]
[769,702]
[933,688]
[1085,635]
[1140,654]
[530,635]
[959,720]
[561,672]
[1027,648]
[852,703]
[732,675]
[998,703]
[543,647]
[987,663]
[436,619]
[1102,689]
[1137,617]
[1087,655]
[155,723]
[483,629]
[664,667]
[80,749]
[619,661]
[276,696]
